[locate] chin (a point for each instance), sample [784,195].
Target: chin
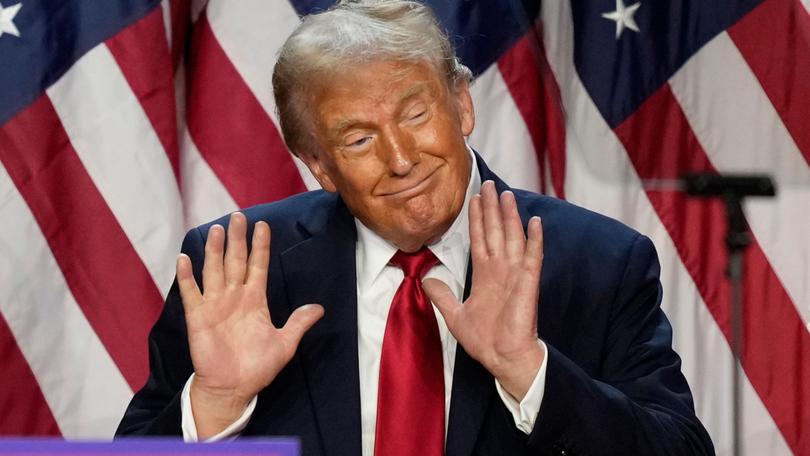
[416,222]
[422,232]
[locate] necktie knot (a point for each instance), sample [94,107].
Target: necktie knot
[416,264]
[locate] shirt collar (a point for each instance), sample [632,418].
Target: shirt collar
[452,249]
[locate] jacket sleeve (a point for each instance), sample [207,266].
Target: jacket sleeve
[638,401]
[155,408]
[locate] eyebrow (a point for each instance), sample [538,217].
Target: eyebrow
[414,90]
[344,125]
[406,94]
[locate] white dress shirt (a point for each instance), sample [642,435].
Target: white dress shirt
[377,282]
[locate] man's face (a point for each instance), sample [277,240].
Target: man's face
[391,138]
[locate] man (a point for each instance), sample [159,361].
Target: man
[373,100]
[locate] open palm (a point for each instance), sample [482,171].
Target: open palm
[497,324]
[235,348]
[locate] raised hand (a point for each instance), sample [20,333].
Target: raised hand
[235,348]
[497,324]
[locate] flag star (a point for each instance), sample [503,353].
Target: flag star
[623,17]
[7,19]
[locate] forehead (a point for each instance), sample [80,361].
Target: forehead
[374,87]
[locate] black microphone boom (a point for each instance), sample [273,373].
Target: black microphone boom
[733,185]
[733,189]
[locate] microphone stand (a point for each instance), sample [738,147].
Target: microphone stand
[733,189]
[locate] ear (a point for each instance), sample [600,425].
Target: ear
[466,111]
[316,166]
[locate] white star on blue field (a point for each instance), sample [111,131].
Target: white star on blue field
[7,19]
[623,17]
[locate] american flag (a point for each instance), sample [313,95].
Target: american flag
[123,123]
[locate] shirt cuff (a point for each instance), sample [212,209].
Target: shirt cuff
[190,427]
[525,412]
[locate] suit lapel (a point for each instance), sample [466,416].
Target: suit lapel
[473,386]
[471,394]
[321,270]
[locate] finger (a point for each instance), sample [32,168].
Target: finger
[513,227]
[299,322]
[443,299]
[189,291]
[478,245]
[493,225]
[527,288]
[213,279]
[533,258]
[236,253]
[259,261]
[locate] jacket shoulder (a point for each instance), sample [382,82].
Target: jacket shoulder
[290,219]
[574,224]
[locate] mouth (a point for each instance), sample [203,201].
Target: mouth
[412,189]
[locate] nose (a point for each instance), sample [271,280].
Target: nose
[399,152]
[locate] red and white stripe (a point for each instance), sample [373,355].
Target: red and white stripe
[713,112]
[74,386]
[135,144]
[94,217]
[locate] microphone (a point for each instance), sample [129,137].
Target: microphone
[733,189]
[708,184]
[728,185]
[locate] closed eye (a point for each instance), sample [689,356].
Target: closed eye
[360,142]
[416,112]
[418,115]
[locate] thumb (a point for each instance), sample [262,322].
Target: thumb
[443,299]
[300,321]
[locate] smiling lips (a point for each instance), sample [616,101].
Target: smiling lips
[411,188]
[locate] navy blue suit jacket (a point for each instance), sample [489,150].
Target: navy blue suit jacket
[613,382]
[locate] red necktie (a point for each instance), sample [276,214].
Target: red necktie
[410,403]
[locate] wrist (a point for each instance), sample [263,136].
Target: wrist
[517,373]
[214,409]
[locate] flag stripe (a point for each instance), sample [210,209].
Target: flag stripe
[532,86]
[735,134]
[601,177]
[25,412]
[142,53]
[205,197]
[251,32]
[87,242]
[707,360]
[166,16]
[124,157]
[232,131]
[705,351]
[660,123]
[554,118]
[180,21]
[780,59]
[82,385]
[508,155]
